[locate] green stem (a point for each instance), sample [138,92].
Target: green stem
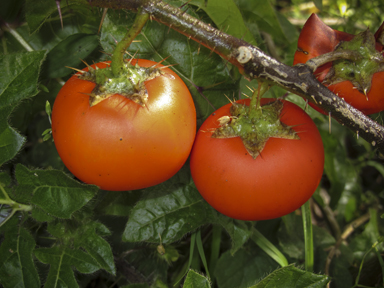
[118,55]
[308,236]
[12,204]
[200,248]
[269,248]
[256,98]
[19,38]
[215,248]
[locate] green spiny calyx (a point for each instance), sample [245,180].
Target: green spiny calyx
[360,71]
[254,126]
[128,83]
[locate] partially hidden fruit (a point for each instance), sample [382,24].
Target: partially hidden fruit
[360,83]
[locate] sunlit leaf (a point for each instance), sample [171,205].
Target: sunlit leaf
[169,211]
[53,191]
[293,277]
[227,17]
[195,280]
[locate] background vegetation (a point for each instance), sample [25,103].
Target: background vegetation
[58,232]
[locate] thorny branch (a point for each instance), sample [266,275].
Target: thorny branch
[254,63]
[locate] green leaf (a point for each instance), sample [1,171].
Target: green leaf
[227,17]
[53,191]
[239,231]
[207,76]
[39,11]
[266,18]
[115,26]
[169,210]
[195,280]
[293,277]
[337,166]
[86,234]
[16,264]
[243,269]
[364,241]
[61,261]
[117,203]
[19,74]
[96,246]
[318,4]
[10,141]
[291,237]
[269,248]
[69,53]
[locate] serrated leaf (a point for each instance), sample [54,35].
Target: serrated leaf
[87,236]
[195,280]
[61,261]
[293,277]
[166,210]
[239,231]
[98,247]
[10,141]
[16,264]
[227,17]
[19,74]
[53,191]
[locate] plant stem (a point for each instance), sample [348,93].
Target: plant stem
[12,204]
[308,236]
[215,248]
[269,248]
[118,55]
[254,63]
[254,105]
[19,38]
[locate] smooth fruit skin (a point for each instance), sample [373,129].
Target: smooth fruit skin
[276,183]
[316,38]
[119,145]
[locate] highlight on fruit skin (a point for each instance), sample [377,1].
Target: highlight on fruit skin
[118,144]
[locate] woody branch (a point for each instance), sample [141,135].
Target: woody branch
[254,63]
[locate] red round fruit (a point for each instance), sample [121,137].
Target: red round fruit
[119,145]
[316,38]
[281,179]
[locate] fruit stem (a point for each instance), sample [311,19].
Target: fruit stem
[254,106]
[320,60]
[118,55]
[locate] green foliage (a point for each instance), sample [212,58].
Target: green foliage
[58,232]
